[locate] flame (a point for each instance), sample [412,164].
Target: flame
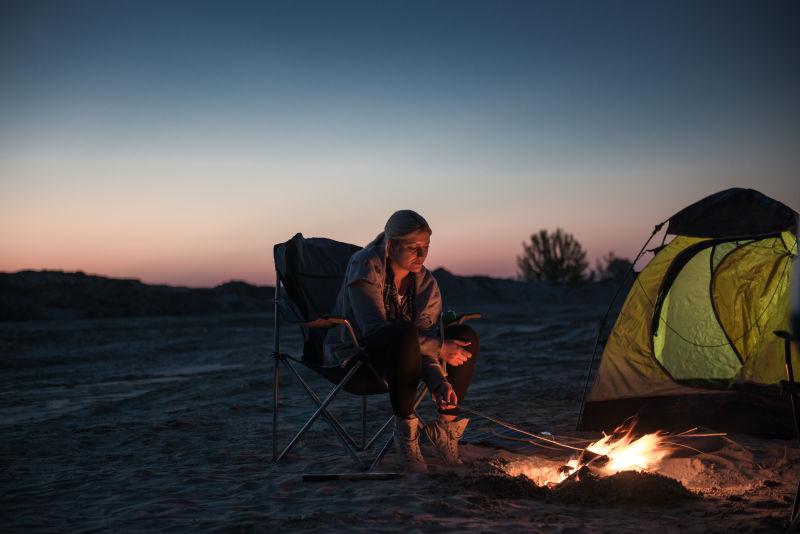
[624,453]
[642,454]
[615,452]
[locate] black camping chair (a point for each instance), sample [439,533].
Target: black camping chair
[309,274]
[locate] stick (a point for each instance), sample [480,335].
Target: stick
[321,477]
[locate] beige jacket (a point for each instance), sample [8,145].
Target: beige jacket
[360,300]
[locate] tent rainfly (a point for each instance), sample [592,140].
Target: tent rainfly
[693,344]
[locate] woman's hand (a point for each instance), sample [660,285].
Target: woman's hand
[445,396]
[454,353]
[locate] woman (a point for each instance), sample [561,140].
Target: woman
[393,303]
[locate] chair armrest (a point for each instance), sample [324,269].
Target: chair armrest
[464,317]
[330,321]
[461,319]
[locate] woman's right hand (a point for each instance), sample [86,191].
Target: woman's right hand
[454,353]
[445,396]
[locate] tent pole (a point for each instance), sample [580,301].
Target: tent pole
[656,229]
[794,519]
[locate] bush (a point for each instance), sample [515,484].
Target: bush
[610,267]
[556,258]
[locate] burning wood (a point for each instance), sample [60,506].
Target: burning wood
[615,452]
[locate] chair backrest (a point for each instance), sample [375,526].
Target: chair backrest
[311,271]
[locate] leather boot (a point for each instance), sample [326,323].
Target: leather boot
[406,439]
[444,436]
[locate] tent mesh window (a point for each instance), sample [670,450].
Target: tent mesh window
[718,307]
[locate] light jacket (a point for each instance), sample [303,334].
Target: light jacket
[360,301]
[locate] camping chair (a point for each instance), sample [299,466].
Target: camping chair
[309,274]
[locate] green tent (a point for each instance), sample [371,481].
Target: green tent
[693,343]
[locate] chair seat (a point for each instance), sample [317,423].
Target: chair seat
[364,382]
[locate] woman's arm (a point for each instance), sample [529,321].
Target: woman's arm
[368,308]
[429,308]
[432,372]
[430,343]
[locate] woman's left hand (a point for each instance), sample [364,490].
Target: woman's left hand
[454,353]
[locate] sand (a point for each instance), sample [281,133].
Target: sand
[165,424]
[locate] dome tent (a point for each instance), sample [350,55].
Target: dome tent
[693,344]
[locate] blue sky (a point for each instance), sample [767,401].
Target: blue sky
[177,141]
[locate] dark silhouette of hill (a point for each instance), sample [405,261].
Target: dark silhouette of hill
[42,295]
[36,295]
[475,290]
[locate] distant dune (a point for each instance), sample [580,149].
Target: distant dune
[36,295]
[485,289]
[43,295]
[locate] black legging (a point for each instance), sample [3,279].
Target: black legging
[394,352]
[460,376]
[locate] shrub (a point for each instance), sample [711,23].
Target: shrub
[610,267]
[556,258]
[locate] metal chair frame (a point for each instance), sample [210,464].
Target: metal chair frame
[345,439]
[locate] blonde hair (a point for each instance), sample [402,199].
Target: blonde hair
[404,222]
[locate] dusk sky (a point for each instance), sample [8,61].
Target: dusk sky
[176,142]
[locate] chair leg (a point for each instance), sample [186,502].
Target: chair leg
[275,379]
[276,355]
[377,434]
[348,441]
[377,460]
[363,422]
[319,411]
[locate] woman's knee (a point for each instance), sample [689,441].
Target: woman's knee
[397,330]
[406,337]
[464,332]
[405,330]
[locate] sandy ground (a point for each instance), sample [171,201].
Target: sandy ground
[165,424]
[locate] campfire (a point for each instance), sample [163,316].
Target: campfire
[619,451]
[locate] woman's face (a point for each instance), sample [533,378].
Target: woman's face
[409,252]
